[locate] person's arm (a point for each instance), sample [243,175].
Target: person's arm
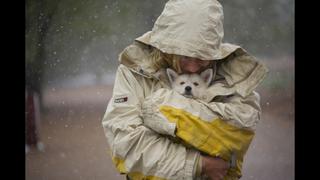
[204,125]
[137,150]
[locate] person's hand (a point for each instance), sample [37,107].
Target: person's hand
[214,168]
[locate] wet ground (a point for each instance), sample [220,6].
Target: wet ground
[76,148]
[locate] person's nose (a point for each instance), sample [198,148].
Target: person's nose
[194,60]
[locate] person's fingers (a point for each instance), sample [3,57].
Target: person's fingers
[228,165]
[225,172]
[224,164]
[221,176]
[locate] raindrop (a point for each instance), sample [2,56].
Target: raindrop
[63,155]
[75,170]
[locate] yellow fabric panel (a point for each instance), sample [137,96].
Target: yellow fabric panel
[140,176]
[120,165]
[216,138]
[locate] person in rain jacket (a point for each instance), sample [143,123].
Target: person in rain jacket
[154,132]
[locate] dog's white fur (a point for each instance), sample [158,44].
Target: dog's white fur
[190,85]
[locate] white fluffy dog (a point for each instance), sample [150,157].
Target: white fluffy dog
[190,85]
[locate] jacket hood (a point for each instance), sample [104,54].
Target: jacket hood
[191,28]
[241,71]
[194,28]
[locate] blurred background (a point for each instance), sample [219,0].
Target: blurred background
[71,55]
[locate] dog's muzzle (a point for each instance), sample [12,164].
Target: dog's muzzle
[188,89]
[188,92]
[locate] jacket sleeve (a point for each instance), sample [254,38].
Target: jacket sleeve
[223,129]
[137,150]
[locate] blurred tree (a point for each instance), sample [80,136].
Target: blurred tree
[71,37]
[38,20]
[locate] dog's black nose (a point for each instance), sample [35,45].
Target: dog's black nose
[188,88]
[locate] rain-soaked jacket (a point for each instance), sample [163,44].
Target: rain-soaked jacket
[156,133]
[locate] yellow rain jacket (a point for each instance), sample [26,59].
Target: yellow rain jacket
[156,133]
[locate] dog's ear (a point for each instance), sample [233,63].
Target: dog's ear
[172,75]
[207,76]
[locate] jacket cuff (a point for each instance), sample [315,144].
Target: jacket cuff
[198,167]
[153,119]
[191,164]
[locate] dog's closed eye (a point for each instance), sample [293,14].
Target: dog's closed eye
[182,83]
[196,84]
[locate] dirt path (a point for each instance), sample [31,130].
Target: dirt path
[76,148]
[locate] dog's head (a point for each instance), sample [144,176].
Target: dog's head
[190,85]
